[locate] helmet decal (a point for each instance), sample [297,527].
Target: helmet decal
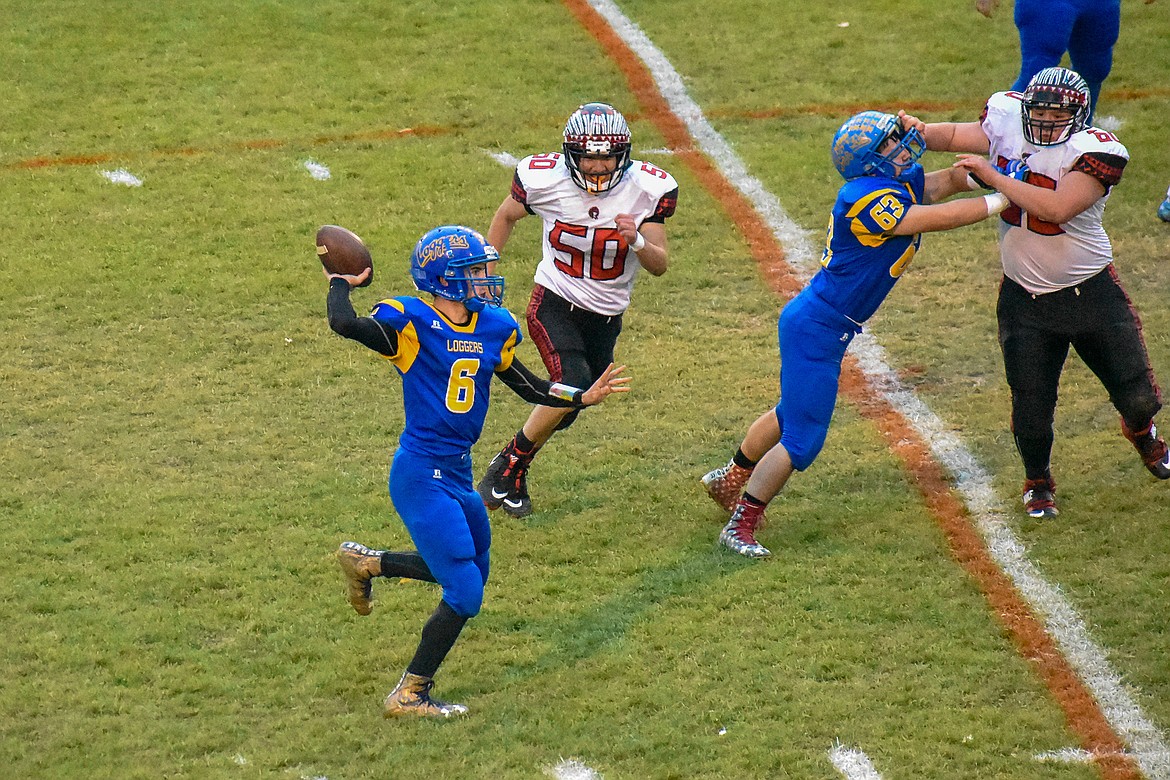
[1055,89]
[855,146]
[441,261]
[597,131]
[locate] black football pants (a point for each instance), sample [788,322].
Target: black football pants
[1098,320]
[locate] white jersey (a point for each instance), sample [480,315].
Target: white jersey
[1040,256]
[583,259]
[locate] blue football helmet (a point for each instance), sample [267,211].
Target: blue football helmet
[597,130]
[440,263]
[855,146]
[1058,89]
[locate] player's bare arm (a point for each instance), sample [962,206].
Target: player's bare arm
[507,215]
[944,183]
[944,216]
[1074,193]
[949,136]
[653,254]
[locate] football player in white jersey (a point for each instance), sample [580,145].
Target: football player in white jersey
[603,217]
[1059,287]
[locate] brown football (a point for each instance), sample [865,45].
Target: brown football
[342,252]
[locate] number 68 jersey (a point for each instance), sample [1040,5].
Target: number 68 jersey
[583,259]
[1040,256]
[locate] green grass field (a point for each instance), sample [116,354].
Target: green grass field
[184,443]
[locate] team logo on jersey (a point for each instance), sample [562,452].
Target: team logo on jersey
[436,325]
[593,212]
[437,475]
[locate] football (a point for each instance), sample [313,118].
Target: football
[342,252]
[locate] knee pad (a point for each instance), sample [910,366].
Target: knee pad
[465,595]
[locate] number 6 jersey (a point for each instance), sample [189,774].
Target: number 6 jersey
[446,370]
[583,259]
[1040,256]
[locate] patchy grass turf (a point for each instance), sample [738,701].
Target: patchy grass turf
[184,442]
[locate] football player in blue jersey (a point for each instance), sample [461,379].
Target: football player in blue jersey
[446,350]
[1086,29]
[874,231]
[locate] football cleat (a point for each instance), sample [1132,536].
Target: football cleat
[360,565]
[517,503]
[1164,210]
[1152,448]
[505,484]
[739,535]
[412,698]
[725,484]
[1040,497]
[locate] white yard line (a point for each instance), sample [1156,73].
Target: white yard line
[572,769]
[317,170]
[853,763]
[1062,622]
[122,176]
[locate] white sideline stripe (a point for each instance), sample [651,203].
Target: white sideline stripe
[122,176]
[503,158]
[1070,755]
[853,763]
[1061,621]
[317,170]
[572,769]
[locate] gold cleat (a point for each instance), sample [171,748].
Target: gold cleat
[412,697]
[360,565]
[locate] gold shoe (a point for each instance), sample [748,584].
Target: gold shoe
[360,565]
[413,697]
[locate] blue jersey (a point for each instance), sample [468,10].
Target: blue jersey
[446,370]
[863,259]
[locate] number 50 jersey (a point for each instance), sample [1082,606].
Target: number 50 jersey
[583,259]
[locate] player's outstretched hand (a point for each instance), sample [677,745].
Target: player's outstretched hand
[610,381]
[354,281]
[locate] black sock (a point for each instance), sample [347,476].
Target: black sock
[406,564]
[743,461]
[438,637]
[751,500]
[524,446]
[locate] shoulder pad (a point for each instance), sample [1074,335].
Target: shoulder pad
[651,178]
[539,171]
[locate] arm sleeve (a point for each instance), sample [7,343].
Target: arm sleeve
[535,390]
[345,322]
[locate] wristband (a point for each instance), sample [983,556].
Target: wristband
[565,392]
[639,242]
[996,202]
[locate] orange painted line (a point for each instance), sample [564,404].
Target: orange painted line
[646,92]
[1083,715]
[383,134]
